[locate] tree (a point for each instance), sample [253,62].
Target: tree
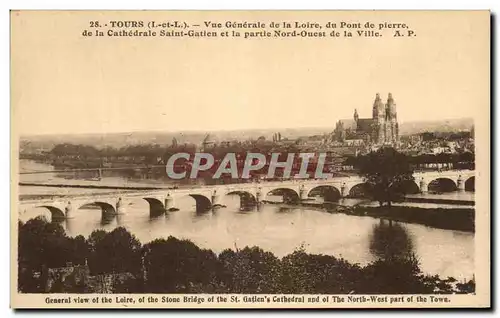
[79,250]
[41,245]
[395,276]
[115,252]
[303,273]
[174,265]
[180,266]
[66,149]
[386,171]
[250,270]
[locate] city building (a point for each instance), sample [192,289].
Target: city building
[208,143]
[381,129]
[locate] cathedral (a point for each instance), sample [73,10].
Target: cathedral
[381,129]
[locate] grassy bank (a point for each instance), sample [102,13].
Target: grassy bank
[449,219]
[440,201]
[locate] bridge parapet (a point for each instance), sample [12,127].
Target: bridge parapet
[458,177]
[164,199]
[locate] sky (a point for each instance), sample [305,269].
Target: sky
[64,83]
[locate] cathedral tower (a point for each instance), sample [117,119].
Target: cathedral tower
[381,129]
[378,120]
[392,129]
[378,106]
[391,105]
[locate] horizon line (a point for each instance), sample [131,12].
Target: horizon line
[205,131]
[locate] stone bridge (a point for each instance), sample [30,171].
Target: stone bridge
[207,197]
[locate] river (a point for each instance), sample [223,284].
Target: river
[278,229]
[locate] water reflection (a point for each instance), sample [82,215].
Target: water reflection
[153,219]
[119,219]
[107,218]
[390,240]
[284,209]
[203,213]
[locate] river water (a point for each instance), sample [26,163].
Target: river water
[276,228]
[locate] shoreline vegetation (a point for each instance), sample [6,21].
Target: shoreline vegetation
[458,219]
[442,218]
[49,261]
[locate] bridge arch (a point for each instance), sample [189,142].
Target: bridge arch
[360,190]
[247,199]
[327,192]
[106,208]
[470,184]
[407,187]
[443,184]
[289,195]
[202,202]
[156,207]
[56,213]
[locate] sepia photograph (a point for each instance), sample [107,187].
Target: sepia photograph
[250,159]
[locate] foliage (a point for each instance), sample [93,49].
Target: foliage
[114,252]
[250,270]
[303,273]
[461,160]
[179,266]
[397,276]
[67,149]
[174,265]
[463,218]
[385,172]
[44,245]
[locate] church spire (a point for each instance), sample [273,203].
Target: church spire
[391,106]
[390,100]
[378,107]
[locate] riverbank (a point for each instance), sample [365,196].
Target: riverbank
[440,201]
[447,219]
